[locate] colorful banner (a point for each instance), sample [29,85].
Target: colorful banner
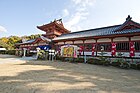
[132,49]
[93,49]
[113,50]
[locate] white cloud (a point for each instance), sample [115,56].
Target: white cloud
[80,9]
[2,29]
[74,20]
[84,2]
[65,12]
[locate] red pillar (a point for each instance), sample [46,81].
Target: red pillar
[96,46]
[83,47]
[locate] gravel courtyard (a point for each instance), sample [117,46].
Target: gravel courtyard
[18,75]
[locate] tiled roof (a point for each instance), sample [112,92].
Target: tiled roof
[27,42]
[88,33]
[110,30]
[104,31]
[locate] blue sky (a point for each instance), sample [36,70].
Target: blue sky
[20,17]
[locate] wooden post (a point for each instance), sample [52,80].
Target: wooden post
[111,46]
[73,42]
[96,46]
[129,39]
[24,52]
[83,48]
[129,46]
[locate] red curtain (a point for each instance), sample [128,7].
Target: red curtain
[132,49]
[113,51]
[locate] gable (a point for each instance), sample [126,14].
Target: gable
[54,29]
[129,24]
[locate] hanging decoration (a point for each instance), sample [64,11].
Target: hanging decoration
[113,51]
[93,49]
[132,49]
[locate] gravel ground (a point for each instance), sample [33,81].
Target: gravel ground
[31,76]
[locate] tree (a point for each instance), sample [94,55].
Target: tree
[9,42]
[12,40]
[3,44]
[4,39]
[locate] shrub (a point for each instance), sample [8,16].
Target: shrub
[138,65]
[11,52]
[115,63]
[79,60]
[104,61]
[134,65]
[93,61]
[60,58]
[2,52]
[70,59]
[125,65]
[41,55]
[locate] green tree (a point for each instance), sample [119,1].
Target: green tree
[4,39]
[9,42]
[13,40]
[4,45]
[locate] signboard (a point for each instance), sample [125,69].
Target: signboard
[69,51]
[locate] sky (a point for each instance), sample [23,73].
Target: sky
[20,17]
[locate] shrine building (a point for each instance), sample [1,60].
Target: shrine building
[124,38]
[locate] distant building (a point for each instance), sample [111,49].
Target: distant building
[2,49]
[124,38]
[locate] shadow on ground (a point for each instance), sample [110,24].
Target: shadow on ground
[61,77]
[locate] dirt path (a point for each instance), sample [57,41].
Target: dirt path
[61,77]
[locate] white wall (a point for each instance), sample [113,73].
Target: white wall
[42,43]
[87,53]
[59,43]
[68,42]
[104,40]
[79,41]
[107,54]
[90,53]
[135,38]
[121,39]
[137,54]
[90,41]
[126,54]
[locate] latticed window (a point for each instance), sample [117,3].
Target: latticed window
[124,46]
[104,46]
[137,45]
[88,47]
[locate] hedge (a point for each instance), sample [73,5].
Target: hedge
[10,52]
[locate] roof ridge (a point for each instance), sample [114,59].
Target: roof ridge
[92,29]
